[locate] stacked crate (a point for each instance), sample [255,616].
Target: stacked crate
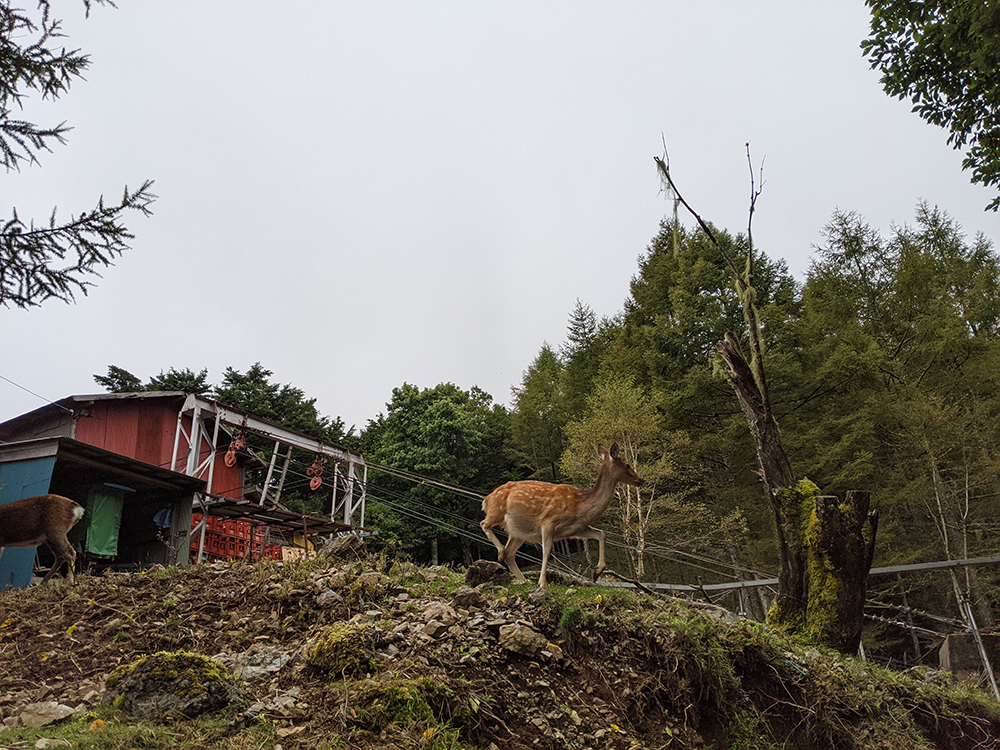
[227,539]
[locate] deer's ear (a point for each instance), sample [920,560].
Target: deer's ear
[614,450]
[602,452]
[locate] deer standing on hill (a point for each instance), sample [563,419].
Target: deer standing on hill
[42,518]
[543,513]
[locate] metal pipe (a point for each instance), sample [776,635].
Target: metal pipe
[987,667]
[270,471]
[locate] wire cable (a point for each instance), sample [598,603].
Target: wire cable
[432,514]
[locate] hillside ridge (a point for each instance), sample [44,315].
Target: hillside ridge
[437,663]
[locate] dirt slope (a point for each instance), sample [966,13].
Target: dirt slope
[440,665]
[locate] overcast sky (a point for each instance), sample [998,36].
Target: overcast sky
[361,194]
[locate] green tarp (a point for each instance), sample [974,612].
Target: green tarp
[101,521]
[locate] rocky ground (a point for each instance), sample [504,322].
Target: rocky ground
[376,653]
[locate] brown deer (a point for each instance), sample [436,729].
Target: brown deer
[42,518]
[543,513]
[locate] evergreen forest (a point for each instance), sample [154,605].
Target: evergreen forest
[883,368]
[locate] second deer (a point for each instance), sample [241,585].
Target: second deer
[42,518]
[543,513]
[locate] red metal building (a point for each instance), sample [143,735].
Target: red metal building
[188,435]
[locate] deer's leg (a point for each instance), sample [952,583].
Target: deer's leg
[487,527]
[546,551]
[64,553]
[593,533]
[509,556]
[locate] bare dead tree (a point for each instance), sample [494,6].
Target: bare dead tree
[788,497]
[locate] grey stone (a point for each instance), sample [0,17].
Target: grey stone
[44,713]
[435,629]
[257,662]
[537,596]
[521,639]
[328,597]
[441,612]
[349,546]
[171,684]
[486,571]
[466,597]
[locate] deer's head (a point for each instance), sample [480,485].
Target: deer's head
[612,461]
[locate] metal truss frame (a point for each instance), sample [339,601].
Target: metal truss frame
[207,419]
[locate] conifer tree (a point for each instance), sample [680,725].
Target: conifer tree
[57,258]
[539,415]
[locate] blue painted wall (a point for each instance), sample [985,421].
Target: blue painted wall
[20,479]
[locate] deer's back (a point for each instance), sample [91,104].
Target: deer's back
[28,522]
[537,499]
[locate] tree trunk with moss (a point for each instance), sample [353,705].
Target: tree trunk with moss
[789,607]
[839,558]
[824,556]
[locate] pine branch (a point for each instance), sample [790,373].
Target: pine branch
[30,61]
[30,256]
[20,140]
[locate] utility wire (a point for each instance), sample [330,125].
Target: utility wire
[432,513]
[425,480]
[613,539]
[28,390]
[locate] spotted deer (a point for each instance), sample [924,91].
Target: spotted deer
[543,513]
[42,518]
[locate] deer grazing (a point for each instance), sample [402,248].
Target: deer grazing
[543,513]
[42,518]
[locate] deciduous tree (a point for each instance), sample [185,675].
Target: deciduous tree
[454,437]
[944,57]
[618,411]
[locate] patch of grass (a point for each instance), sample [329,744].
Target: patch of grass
[106,728]
[440,582]
[413,712]
[570,619]
[597,606]
[748,731]
[398,701]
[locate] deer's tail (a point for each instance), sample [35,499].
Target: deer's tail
[495,503]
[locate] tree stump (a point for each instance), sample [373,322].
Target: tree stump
[839,558]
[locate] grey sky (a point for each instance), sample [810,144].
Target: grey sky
[361,194]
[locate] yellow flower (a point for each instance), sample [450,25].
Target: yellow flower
[97,724]
[598,599]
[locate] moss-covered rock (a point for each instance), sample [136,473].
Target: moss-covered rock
[342,649]
[172,684]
